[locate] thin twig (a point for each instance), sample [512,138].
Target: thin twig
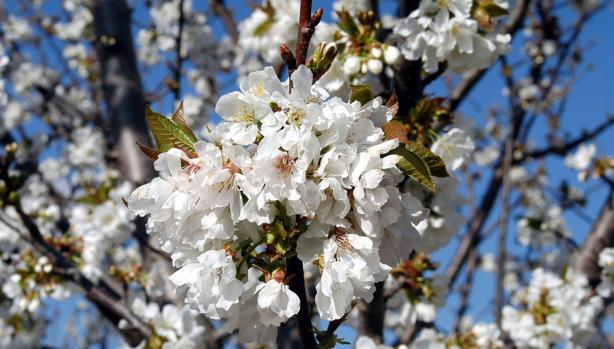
[178,57]
[564,148]
[465,290]
[307,25]
[219,9]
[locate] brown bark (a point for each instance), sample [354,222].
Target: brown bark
[600,236]
[122,88]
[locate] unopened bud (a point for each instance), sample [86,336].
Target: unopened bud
[375,66]
[351,65]
[330,52]
[279,275]
[287,56]
[391,54]
[376,52]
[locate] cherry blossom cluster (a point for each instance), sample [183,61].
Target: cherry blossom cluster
[449,31]
[285,172]
[173,327]
[362,58]
[552,310]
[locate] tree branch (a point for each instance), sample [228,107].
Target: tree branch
[101,294]
[372,315]
[178,59]
[503,221]
[306,27]
[219,9]
[563,149]
[122,88]
[297,285]
[466,288]
[600,236]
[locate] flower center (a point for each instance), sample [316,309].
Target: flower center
[455,30]
[257,90]
[284,164]
[342,241]
[245,115]
[296,115]
[442,3]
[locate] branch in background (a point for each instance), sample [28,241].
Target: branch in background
[125,101]
[219,9]
[407,82]
[563,148]
[178,58]
[411,333]
[431,78]
[122,88]
[374,6]
[600,236]
[475,224]
[372,315]
[465,290]
[101,294]
[503,221]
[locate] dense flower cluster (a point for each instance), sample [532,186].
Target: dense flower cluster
[553,310]
[174,328]
[301,157]
[445,31]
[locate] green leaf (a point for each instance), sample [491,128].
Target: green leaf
[415,167]
[283,246]
[168,134]
[495,10]
[361,93]
[432,160]
[270,238]
[180,121]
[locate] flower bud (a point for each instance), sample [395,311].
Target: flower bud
[351,65]
[376,52]
[330,51]
[375,66]
[391,54]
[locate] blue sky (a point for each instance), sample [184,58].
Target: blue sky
[591,100]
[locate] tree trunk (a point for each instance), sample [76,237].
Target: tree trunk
[599,237]
[122,88]
[125,101]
